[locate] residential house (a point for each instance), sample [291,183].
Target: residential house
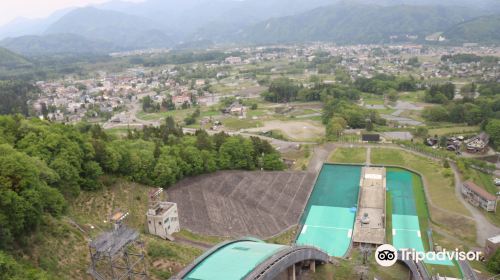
[233,60]
[478,144]
[180,100]
[235,109]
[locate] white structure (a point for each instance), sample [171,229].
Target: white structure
[162,216]
[479,197]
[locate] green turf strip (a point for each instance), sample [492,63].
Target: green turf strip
[406,233]
[328,228]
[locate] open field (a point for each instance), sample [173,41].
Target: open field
[179,115]
[286,238]
[238,203]
[353,268]
[239,124]
[301,156]
[454,130]
[294,130]
[348,155]
[441,192]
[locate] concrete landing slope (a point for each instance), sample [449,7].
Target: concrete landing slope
[248,258]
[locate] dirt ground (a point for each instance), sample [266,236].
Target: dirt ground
[294,130]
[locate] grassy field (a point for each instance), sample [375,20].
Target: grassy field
[238,124]
[444,270]
[61,248]
[412,96]
[348,155]
[178,115]
[301,157]
[118,132]
[186,234]
[353,268]
[286,238]
[440,185]
[453,130]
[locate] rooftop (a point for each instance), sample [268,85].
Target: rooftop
[480,191]
[238,259]
[494,239]
[161,208]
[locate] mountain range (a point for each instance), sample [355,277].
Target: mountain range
[485,29]
[118,26]
[353,24]
[9,60]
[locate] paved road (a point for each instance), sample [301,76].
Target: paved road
[368,160]
[129,118]
[467,270]
[484,228]
[320,156]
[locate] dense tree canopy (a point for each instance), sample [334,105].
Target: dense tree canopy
[15,96]
[493,129]
[471,112]
[282,90]
[382,83]
[12,270]
[43,164]
[440,93]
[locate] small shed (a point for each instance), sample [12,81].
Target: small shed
[370,137]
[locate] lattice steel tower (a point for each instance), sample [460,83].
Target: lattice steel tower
[117,254]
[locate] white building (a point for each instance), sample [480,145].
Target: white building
[162,216]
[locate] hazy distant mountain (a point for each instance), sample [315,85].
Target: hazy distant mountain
[118,29]
[187,16]
[56,44]
[116,25]
[476,4]
[10,60]
[484,29]
[355,23]
[24,26]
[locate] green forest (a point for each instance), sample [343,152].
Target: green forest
[45,165]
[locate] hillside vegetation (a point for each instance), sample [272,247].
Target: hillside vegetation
[9,59]
[354,23]
[117,29]
[46,167]
[55,44]
[479,30]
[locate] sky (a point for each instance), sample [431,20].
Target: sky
[12,9]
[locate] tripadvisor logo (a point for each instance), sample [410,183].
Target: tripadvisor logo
[386,255]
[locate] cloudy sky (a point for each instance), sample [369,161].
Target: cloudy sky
[12,9]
